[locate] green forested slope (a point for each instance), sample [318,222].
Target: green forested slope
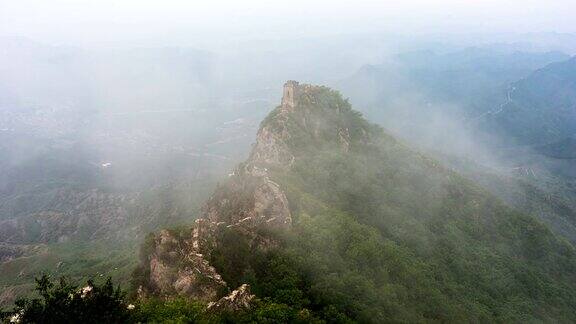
[384,234]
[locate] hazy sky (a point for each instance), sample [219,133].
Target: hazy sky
[102,22]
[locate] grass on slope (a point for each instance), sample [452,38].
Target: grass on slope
[79,262]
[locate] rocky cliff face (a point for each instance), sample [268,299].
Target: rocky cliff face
[237,300]
[177,268]
[179,263]
[249,201]
[309,116]
[271,147]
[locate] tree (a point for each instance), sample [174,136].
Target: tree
[67,303]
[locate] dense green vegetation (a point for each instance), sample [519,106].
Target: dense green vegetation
[64,302]
[403,269]
[480,109]
[78,261]
[68,303]
[413,263]
[384,234]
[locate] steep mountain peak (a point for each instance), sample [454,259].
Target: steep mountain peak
[308,117]
[250,203]
[294,91]
[179,263]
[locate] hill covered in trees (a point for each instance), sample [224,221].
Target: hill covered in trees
[332,217]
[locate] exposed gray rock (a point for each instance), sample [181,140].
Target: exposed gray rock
[239,299]
[177,269]
[248,201]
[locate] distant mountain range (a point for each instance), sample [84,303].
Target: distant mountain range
[504,118]
[540,109]
[471,79]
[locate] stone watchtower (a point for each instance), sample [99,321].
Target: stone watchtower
[288,101]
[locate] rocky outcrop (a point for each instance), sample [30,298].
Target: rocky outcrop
[239,299]
[179,264]
[270,147]
[176,269]
[249,200]
[344,138]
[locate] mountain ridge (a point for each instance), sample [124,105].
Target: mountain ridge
[333,217]
[541,108]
